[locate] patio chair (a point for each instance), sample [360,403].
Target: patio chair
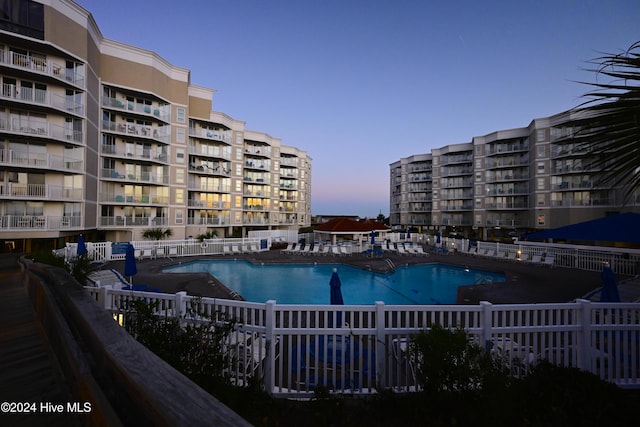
[344,251]
[325,250]
[549,260]
[287,249]
[305,250]
[511,256]
[335,251]
[420,251]
[226,250]
[400,250]
[535,259]
[315,250]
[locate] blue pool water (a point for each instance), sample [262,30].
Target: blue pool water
[309,283]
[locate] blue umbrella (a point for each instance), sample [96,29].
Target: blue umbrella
[609,285]
[335,285]
[408,233]
[130,268]
[336,294]
[438,241]
[373,237]
[82,246]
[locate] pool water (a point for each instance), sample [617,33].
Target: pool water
[309,283]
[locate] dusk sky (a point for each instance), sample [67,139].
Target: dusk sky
[359,84]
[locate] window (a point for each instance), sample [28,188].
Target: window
[478,163]
[179,216]
[540,219]
[180,135]
[179,176]
[181,116]
[540,167]
[540,150]
[180,155]
[540,184]
[478,150]
[540,199]
[541,135]
[179,196]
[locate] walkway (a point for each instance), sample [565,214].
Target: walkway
[28,372]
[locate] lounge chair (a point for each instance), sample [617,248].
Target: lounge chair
[226,250]
[420,251]
[524,257]
[305,250]
[511,256]
[287,249]
[315,250]
[490,254]
[335,251]
[344,251]
[401,251]
[535,259]
[326,249]
[549,260]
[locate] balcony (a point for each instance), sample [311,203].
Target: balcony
[38,222]
[40,161]
[40,128]
[146,199]
[204,169]
[211,151]
[39,192]
[41,97]
[126,221]
[214,135]
[159,156]
[207,187]
[161,112]
[161,133]
[43,66]
[220,220]
[144,177]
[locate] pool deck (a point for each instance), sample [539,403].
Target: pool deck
[526,283]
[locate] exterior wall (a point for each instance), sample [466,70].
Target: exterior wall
[113,146]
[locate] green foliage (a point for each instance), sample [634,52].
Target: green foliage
[607,124]
[305,230]
[446,361]
[208,235]
[194,345]
[157,233]
[79,267]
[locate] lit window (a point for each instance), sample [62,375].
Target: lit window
[181,116]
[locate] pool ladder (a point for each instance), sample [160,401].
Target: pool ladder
[390,264]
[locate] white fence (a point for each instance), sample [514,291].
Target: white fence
[361,349]
[623,261]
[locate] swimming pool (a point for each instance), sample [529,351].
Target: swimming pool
[309,283]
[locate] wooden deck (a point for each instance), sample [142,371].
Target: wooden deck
[28,372]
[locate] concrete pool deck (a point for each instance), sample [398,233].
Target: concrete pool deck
[525,283]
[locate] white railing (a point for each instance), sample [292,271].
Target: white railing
[362,349]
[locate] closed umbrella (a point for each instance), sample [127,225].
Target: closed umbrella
[373,237]
[609,285]
[82,246]
[335,286]
[130,268]
[408,234]
[438,239]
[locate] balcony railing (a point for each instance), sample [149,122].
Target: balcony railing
[38,222]
[121,151]
[215,135]
[220,220]
[42,97]
[40,191]
[43,66]
[146,177]
[162,133]
[41,128]
[211,151]
[125,221]
[162,112]
[147,199]
[39,160]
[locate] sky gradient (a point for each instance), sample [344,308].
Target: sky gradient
[359,84]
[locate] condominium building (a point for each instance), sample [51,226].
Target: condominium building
[107,139]
[503,184]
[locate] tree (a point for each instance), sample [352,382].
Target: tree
[157,233]
[608,123]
